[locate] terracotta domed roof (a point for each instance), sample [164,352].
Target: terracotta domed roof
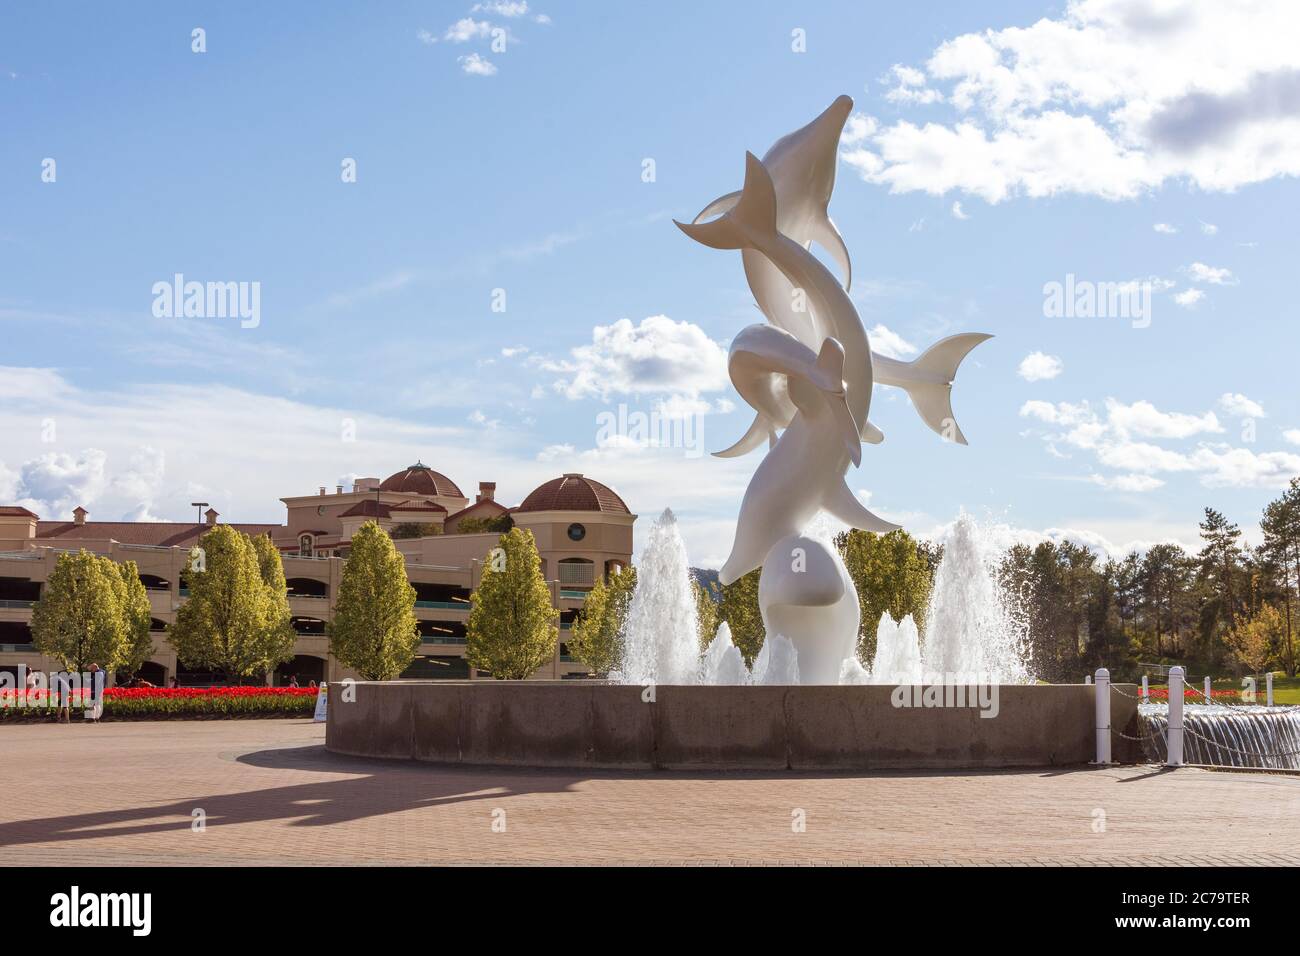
[420,479]
[574,493]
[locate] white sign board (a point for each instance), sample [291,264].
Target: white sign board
[322,701]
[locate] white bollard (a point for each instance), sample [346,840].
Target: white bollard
[1087,678]
[1268,682]
[1102,694]
[1175,730]
[1208,690]
[1146,692]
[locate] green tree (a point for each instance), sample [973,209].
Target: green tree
[1219,570]
[739,608]
[891,572]
[280,637]
[596,638]
[499,524]
[374,628]
[1257,640]
[1281,527]
[512,627]
[139,618]
[231,621]
[706,613]
[411,529]
[79,619]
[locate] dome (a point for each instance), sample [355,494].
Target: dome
[574,493]
[420,479]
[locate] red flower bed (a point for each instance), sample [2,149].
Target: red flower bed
[160,703]
[140,693]
[1196,695]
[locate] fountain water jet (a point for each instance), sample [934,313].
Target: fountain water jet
[660,642]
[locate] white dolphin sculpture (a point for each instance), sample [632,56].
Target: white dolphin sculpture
[804,471]
[802,165]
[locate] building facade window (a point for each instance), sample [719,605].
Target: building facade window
[304,546]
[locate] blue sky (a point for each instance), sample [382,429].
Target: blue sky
[994,148]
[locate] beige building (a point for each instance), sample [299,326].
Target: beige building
[583,529]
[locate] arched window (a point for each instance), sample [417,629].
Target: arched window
[305,546]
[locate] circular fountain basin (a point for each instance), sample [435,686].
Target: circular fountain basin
[594,725]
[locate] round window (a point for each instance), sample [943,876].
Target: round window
[577,532]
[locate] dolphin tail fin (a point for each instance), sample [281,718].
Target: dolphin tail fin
[754,214]
[759,430]
[844,505]
[719,206]
[932,394]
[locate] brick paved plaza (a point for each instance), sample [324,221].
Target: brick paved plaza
[123,793]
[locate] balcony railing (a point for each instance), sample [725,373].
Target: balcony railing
[445,605]
[309,597]
[570,595]
[442,639]
[17,649]
[8,603]
[573,572]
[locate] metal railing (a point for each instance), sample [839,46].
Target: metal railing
[19,604]
[571,595]
[574,573]
[445,605]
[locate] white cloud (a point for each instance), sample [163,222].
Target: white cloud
[1200,272]
[657,355]
[889,343]
[1292,435]
[1039,366]
[1164,227]
[1209,229]
[957,212]
[1239,406]
[1109,99]
[1144,419]
[476,65]
[909,87]
[1189,297]
[426,37]
[1116,440]
[502,8]
[510,351]
[466,29]
[1131,483]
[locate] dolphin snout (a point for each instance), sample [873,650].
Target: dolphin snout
[838,112]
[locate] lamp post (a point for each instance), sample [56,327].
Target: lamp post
[200,505]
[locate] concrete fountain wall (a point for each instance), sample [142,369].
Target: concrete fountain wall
[586,724]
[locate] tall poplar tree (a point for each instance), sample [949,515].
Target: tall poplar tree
[80,619]
[512,628]
[231,620]
[374,628]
